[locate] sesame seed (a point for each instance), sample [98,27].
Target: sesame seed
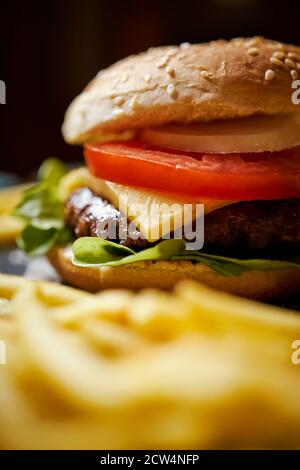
[292,55]
[252,42]
[278,54]
[252,51]
[294,74]
[118,112]
[290,63]
[170,71]
[184,45]
[171,52]
[119,100]
[204,74]
[171,90]
[276,61]
[162,62]
[148,58]
[124,78]
[134,103]
[147,77]
[238,42]
[270,74]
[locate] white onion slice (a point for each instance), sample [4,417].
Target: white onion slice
[253,134]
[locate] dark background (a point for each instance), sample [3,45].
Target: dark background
[50,50]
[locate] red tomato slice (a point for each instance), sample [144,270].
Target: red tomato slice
[268,175]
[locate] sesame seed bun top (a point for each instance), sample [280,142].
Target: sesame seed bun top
[199,82]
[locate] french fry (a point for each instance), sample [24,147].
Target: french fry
[110,304]
[9,197]
[67,370]
[10,227]
[5,308]
[9,286]
[229,310]
[158,315]
[111,339]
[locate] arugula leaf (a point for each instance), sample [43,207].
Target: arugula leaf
[39,201]
[259,264]
[234,267]
[97,251]
[224,268]
[36,241]
[90,251]
[43,210]
[42,200]
[164,250]
[52,170]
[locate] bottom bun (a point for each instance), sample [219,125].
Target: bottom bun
[260,285]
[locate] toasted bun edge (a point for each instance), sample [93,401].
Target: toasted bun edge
[259,285]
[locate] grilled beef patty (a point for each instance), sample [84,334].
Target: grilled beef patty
[254,228]
[91,216]
[250,228]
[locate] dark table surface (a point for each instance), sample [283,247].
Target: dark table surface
[14,261]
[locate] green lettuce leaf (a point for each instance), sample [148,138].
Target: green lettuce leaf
[233,266]
[97,251]
[39,237]
[40,201]
[259,264]
[52,170]
[90,251]
[226,268]
[43,211]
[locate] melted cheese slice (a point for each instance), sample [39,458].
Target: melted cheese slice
[153,213]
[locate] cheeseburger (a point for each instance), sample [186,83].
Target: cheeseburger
[203,125]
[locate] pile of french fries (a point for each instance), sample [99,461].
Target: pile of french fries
[194,368]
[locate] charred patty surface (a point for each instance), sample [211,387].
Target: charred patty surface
[90,215]
[250,228]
